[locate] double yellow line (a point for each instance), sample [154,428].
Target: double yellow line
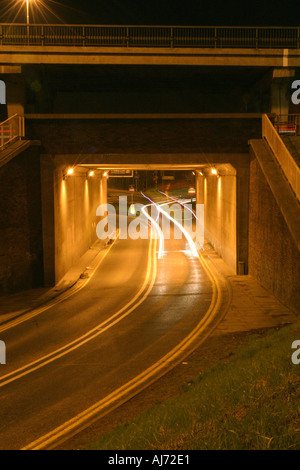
[73,290]
[96,331]
[141,381]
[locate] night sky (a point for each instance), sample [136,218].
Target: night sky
[187,12]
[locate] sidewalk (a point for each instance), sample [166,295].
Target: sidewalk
[251,306]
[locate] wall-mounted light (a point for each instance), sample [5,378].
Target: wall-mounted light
[105,174]
[200,173]
[214,171]
[68,172]
[91,173]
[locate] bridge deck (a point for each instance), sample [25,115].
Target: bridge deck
[156,45]
[77,55]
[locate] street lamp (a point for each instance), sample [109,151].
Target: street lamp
[28,16]
[27,11]
[27,19]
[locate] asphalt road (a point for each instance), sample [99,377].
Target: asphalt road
[136,317]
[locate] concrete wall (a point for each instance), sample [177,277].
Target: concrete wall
[274,259]
[220,216]
[76,199]
[21,247]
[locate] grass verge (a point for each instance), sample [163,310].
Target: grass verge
[249,402]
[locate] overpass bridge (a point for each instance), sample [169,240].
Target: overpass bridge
[29,55]
[250,208]
[149,45]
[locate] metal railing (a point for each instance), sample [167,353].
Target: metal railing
[11,130]
[288,124]
[150,36]
[282,154]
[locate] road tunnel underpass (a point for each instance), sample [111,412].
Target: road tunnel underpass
[79,189]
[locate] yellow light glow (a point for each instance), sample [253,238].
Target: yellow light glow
[132,210]
[214,171]
[70,171]
[184,231]
[105,174]
[91,173]
[156,226]
[63,200]
[159,231]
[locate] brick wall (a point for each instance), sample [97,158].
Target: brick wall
[273,256]
[21,263]
[67,136]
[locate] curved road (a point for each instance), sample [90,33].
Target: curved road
[135,319]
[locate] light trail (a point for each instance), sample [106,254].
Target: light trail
[179,202]
[175,222]
[156,225]
[184,231]
[183,204]
[130,389]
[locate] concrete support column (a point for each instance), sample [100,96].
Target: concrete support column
[199,187]
[15,94]
[221,213]
[103,188]
[69,206]
[281,90]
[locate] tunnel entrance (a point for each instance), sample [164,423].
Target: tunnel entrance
[214,186]
[144,145]
[78,194]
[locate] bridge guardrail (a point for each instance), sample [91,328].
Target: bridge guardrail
[283,156]
[288,124]
[150,36]
[11,129]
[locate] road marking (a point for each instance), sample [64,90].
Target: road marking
[123,393]
[37,311]
[130,388]
[157,227]
[98,330]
